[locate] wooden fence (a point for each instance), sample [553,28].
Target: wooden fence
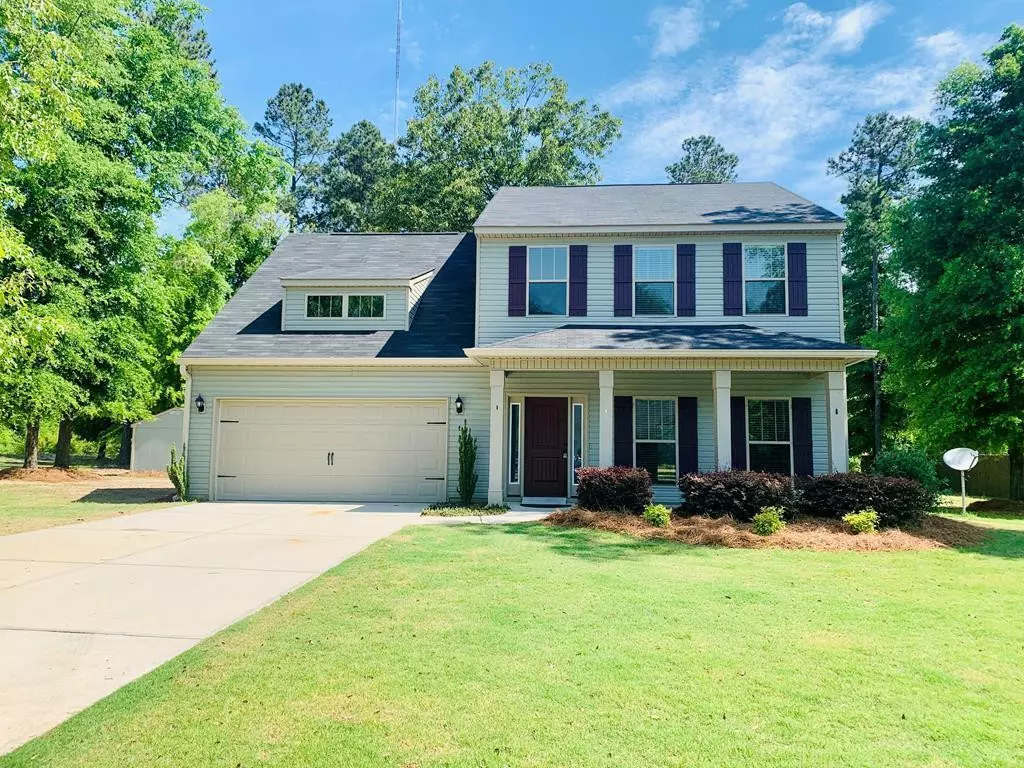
[991,477]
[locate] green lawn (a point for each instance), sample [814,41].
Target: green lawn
[524,645]
[29,506]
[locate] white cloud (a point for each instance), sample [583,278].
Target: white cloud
[851,27]
[951,47]
[676,29]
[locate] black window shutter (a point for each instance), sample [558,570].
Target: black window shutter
[623,280]
[578,280]
[516,280]
[623,423]
[687,435]
[738,407]
[803,443]
[796,255]
[732,278]
[686,279]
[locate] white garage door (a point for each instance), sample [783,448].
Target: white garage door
[332,450]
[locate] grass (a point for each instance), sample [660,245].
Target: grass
[456,509]
[530,645]
[28,506]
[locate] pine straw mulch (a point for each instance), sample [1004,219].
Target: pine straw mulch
[823,535]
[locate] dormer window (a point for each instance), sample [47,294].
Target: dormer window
[341,306]
[548,280]
[366,306]
[325,306]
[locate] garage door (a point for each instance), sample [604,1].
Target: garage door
[332,450]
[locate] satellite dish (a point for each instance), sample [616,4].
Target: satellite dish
[960,459]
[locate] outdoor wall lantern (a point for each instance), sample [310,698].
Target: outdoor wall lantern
[200,403]
[459,405]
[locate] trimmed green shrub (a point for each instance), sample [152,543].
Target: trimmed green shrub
[467,465]
[768,521]
[177,473]
[613,489]
[865,521]
[911,463]
[658,515]
[900,502]
[739,494]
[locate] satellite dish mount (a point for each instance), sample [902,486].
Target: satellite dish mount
[963,460]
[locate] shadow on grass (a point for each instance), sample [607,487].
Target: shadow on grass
[126,496]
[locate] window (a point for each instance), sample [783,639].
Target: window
[764,279]
[325,306]
[366,306]
[654,277]
[335,306]
[547,275]
[655,438]
[577,439]
[769,436]
[513,442]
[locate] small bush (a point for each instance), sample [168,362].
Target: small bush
[911,463]
[177,473]
[738,494]
[768,521]
[467,465]
[900,502]
[614,489]
[658,515]
[865,521]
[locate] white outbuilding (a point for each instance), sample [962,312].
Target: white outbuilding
[152,440]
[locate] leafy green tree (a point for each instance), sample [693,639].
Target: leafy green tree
[360,159]
[879,166]
[300,124]
[484,128]
[704,161]
[955,333]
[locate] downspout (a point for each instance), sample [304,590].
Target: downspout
[186,411]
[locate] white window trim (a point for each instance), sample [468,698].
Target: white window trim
[784,278]
[789,414]
[513,403]
[345,298]
[675,421]
[573,403]
[529,280]
[675,281]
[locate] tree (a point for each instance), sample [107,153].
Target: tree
[955,334]
[879,166]
[704,161]
[360,159]
[300,124]
[482,129]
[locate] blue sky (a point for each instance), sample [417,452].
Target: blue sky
[781,84]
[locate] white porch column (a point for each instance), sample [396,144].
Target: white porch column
[606,419]
[722,384]
[838,424]
[496,444]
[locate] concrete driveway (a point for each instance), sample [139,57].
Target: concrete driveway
[86,608]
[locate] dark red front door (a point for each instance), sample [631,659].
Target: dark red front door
[546,447]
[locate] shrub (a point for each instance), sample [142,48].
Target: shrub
[768,521]
[900,502]
[467,465]
[911,463]
[865,521]
[658,515]
[614,489]
[177,473]
[737,493]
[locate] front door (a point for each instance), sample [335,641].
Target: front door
[546,447]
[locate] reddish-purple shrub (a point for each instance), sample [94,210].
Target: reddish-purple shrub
[738,494]
[613,489]
[900,502]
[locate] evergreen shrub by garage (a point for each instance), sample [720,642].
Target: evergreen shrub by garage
[739,494]
[900,502]
[613,489]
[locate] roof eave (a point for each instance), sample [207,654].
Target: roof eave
[319,362]
[353,282]
[851,356]
[486,230]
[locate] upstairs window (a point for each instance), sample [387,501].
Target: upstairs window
[331,306]
[547,276]
[764,279]
[769,440]
[654,281]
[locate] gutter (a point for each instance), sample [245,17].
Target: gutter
[850,355]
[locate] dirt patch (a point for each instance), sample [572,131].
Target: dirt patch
[49,475]
[822,535]
[1006,506]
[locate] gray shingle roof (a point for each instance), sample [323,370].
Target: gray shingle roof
[249,325]
[651,205]
[650,337]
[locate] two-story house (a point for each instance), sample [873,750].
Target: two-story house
[678,328]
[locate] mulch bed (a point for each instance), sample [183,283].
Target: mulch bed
[823,535]
[997,505]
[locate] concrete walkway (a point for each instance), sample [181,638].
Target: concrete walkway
[86,608]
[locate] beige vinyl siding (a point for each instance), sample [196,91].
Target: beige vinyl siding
[377,383]
[416,292]
[395,310]
[824,318]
